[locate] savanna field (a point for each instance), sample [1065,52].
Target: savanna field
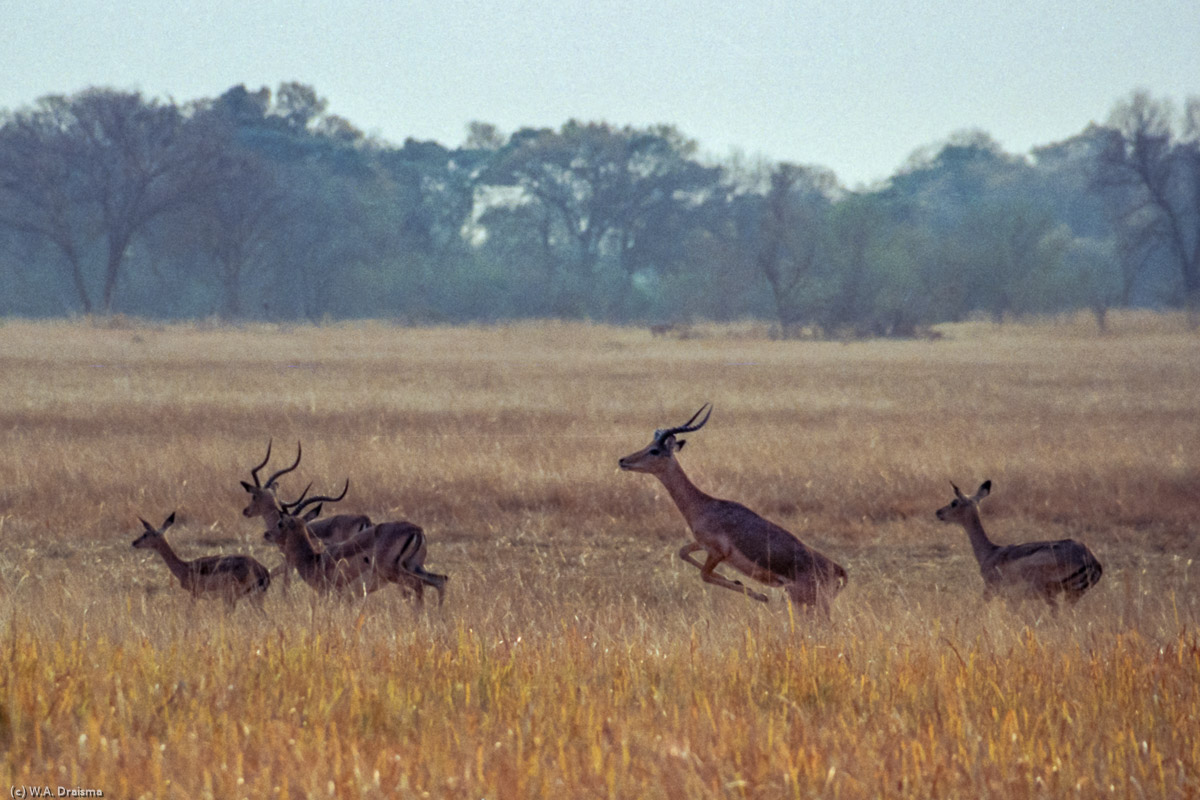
[576,656]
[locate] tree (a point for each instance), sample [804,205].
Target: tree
[941,184]
[241,215]
[298,105]
[790,250]
[1017,248]
[140,160]
[1152,174]
[603,184]
[101,163]
[40,188]
[483,136]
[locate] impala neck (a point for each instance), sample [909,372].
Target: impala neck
[687,497]
[980,542]
[178,567]
[271,518]
[299,552]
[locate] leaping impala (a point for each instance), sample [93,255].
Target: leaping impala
[230,577]
[729,532]
[1038,569]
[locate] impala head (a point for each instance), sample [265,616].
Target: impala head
[961,507]
[262,495]
[289,525]
[661,450]
[152,535]
[294,519]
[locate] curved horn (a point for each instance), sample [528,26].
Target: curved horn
[687,427]
[295,508]
[286,507]
[271,480]
[254,470]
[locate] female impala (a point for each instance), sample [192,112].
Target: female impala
[1038,569]
[728,531]
[230,577]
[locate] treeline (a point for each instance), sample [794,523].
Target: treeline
[262,205]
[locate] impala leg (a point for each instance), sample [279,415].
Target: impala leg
[257,597]
[810,596]
[708,576]
[436,580]
[686,551]
[417,578]
[283,571]
[1050,600]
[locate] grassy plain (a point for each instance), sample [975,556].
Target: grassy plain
[575,656]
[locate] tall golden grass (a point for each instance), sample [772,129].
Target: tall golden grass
[575,656]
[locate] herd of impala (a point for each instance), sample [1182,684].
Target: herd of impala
[351,554]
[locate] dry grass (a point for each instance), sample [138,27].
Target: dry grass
[575,657]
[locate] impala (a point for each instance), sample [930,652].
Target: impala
[393,552]
[1038,569]
[230,577]
[729,532]
[263,503]
[340,567]
[400,559]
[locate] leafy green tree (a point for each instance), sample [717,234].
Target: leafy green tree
[603,186]
[1017,248]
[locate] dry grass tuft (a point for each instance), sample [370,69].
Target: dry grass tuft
[575,656]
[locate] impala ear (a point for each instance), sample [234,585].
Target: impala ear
[313,513]
[679,443]
[169,521]
[247,487]
[957,492]
[147,525]
[985,489]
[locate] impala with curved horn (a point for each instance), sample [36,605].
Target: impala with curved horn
[229,577]
[263,503]
[389,552]
[728,532]
[342,566]
[1037,569]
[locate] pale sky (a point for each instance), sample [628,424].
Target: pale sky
[853,85]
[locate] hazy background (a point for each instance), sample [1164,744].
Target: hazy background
[840,170]
[854,86]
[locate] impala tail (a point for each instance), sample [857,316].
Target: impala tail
[264,580]
[842,577]
[1084,578]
